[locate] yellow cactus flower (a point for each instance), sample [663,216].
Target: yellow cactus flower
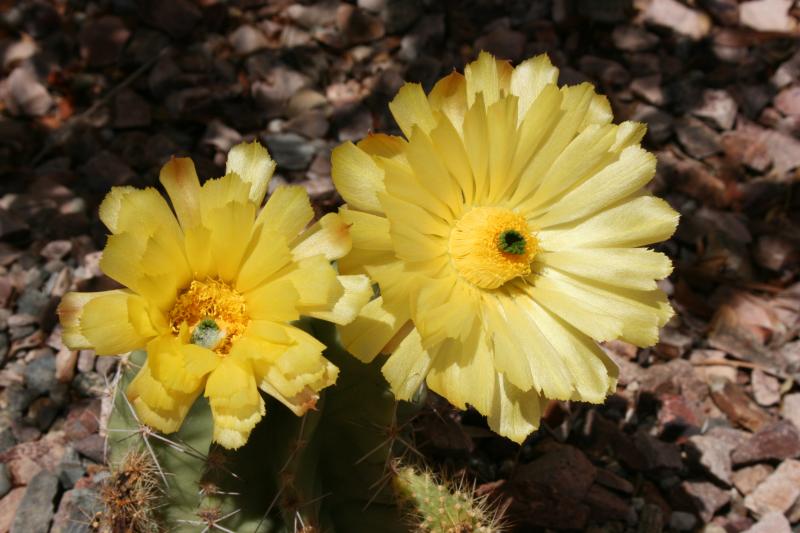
[211,294]
[506,232]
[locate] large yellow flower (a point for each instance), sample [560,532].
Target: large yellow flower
[211,294]
[505,232]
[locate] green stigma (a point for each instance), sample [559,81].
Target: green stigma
[207,334]
[511,242]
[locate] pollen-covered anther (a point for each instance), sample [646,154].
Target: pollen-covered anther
[490,246]
[212,313]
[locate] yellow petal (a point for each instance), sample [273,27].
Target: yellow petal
[476,141]
[329,236]
[634,169]
[276,300]
[450,148]
[639,313]
[449,96]
[269,255]
[587,364]
[575,104]
[177,366]
[143,211]
[515,413]
[502,131]
[367,231]
[407,367]
[287,211]
[298,375]
[179,178]
[640,221]
[219,192]
[316,282]
[357,292]
[462,371]
[103,321]
[577,161]
[482,76]
[156,406]
[529,78]
[380,144]
[537,124]
[634,268]
[231,227]
[235,402]
[357,178]
[424,161]
[410,108]
[253,164]
[374,327]
[403,184]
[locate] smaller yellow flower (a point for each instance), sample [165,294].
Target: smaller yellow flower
[211,294]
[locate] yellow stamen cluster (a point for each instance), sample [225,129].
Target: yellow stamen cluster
[490,246]
[211,300]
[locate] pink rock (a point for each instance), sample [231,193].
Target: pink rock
[778,492]
[8,508]
[766,388]
[748,478]
[771,523]
[788,101]
[767,15]
[679,18]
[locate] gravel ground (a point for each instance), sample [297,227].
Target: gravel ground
[704,431]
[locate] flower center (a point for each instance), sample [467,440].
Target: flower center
[212,313]
[490,246]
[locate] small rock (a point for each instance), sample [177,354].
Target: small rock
[725,11]
[8,507]
[86,359]
[649,89]
[790,409]
[106,365]
[610,11]
[70,470]
[606,506]
[766,388]
[92,447]
[357,26]
[65,364]
[775,252]
[679,18]
[714,455]
[748,478]
[681,521]
[718,107]
[731,400]
[313,16]
[778,492]
[76,508]
[707,497]
[788,72]
[504,43]
[40,374]
[56,249]
[42,412]
[780,440]
[312,124]
[773,522]
[659,123]
[246,39]
[27,459]
[89,384]
[767,15]
[5,480]
[105,169]
[788,101]
[25,95]
[176,17]
[130,110]
[657,453]
[633,38]
[290,151]
[36,509]
[220,136]
[697,139]
[102,40]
